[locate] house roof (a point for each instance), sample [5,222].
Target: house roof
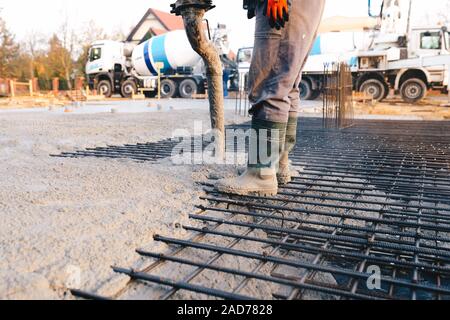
[170,21]
[157,22]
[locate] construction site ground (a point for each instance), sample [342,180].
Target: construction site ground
[61,214]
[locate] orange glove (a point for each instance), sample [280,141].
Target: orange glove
[278,13]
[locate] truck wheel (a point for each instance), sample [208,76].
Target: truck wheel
[306,91]
[104,87]
[315,94]
[375,88]
[128,88]
[168,88]
[188,88]
[413,90]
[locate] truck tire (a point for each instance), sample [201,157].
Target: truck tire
[168,88]
[374,87]
[413,90]
[104,87]
[128,88]
[188,88]
[316,94]
[306,91]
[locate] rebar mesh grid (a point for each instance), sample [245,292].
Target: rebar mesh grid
[140,152]
[374,197]
[153,151]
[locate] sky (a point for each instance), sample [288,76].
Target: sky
[45,16]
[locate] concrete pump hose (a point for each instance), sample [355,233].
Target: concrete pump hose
[194,22]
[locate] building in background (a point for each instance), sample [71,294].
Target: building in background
[154,23]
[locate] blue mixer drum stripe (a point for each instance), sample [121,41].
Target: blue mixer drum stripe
[148,61]
[159,52]
[316,50]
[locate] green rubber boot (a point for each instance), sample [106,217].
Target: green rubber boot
[284,174]
[260,178]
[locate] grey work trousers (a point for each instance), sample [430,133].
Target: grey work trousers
[278,59]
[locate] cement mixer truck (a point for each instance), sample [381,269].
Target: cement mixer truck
[399,55]
[386,53]
[121,68]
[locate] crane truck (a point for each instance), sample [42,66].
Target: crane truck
[167,62]
[390,56]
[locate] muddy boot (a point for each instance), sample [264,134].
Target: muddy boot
[254,181]
[260,178]
[284,174]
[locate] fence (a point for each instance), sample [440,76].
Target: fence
[337,96]
[4,87]
[13,88]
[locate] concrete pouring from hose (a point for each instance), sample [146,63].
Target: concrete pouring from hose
[192,12]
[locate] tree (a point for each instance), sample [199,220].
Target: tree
[58,61]
[9,50]
[63,55]
[20,66]
[68,48]
[91,33]
[34,48]
[118,34]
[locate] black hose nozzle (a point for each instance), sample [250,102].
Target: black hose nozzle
[178,6]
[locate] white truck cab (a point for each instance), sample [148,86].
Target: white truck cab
[103,55]
[428,42]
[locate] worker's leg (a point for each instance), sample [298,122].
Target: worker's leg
[277,61]
[284,174]
[278,58]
